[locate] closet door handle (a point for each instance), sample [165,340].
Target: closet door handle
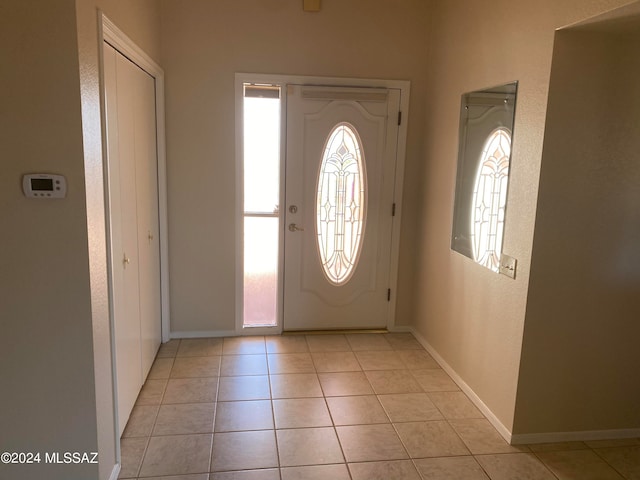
[125,260]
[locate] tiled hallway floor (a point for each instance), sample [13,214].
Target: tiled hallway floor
[331,407]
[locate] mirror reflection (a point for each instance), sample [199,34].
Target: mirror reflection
[484,156]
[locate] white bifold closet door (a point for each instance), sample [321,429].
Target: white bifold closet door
[134,224]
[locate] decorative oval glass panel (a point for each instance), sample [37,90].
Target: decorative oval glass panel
[490,198]
[341,203]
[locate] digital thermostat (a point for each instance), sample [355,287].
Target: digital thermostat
[44,185]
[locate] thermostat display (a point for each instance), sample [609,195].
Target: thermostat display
[44,185]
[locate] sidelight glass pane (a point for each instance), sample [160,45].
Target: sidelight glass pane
[261,154]
[260,270]
[261,185]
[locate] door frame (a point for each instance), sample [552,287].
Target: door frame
[282,81]
[111,34]
[108,32]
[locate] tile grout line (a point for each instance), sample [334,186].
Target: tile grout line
[534,454]
[148,442]
[273,412]
[594,450]
[189,403]
[607,461]
[215,414]
[547,467]
[333,423]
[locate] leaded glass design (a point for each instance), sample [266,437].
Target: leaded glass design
[341,203]
[490,198]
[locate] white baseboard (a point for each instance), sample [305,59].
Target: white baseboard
[203,334]
[400,329]
[115,472]
[523,438]
[498,425]
[581,436]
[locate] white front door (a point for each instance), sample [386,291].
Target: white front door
[340,176]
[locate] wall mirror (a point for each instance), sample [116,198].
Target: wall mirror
[484,156]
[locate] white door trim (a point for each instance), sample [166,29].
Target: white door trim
[111,34]
[240,80]
[283,81]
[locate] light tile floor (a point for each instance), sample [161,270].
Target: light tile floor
[331,407]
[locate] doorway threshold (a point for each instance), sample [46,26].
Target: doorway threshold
[335,331]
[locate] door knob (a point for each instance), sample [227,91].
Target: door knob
[125,260]
[294,228]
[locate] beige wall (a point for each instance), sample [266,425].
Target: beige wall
[53,297]
[474,318]
[48,393]
[204,44]
[581,327]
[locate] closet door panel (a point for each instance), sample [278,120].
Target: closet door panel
[148,222]
[127,77]
[124,230]
[134,224]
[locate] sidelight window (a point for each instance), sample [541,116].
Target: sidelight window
[261,186]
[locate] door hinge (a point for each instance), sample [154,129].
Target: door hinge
[399,118]
[393,210]
[388,295]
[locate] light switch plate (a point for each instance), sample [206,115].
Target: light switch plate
[508,265]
